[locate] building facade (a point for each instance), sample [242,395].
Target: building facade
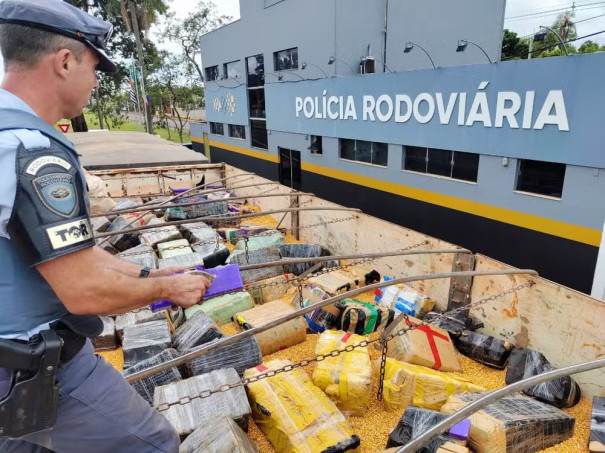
[506,159]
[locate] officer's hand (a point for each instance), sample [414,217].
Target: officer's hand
[186,290]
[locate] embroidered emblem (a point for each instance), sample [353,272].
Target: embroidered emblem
[57,193]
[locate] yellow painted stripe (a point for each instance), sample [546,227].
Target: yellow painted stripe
[553,227]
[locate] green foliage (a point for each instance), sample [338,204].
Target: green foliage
[590,47]
[565,27]
[513,47]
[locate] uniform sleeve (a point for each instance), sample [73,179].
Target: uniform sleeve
[50,216]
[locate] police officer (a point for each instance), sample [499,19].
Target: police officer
[52,276]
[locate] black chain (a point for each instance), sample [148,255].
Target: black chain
[337,352]
[383,366]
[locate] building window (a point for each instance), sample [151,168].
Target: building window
[258,131]
[255,66]
[230,70]
[363,151]
[217,128]
[237,131]
[441,162]
[211,73]
[286,59]
[256,99]
[316,145]
[543,178]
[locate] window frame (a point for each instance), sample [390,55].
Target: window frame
[226,69]
[526,190]
[213,125]
[427,160]
[231,127]
[252,128]
[372,152]
[276,59]
[206,72]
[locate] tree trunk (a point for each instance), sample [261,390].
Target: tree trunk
[99,112]
[78,124]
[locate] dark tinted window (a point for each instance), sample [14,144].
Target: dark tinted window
[256,70]
[347,149]
[544,178]
[211,73]
[286,59]
[237,131]
[440,162]
[316,144]
[364,151]
[257,103]
[466,166]
[217,128]
[231,69]
[415,159]
[258,130]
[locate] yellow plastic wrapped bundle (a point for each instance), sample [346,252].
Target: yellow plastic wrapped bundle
[406,384]
[295,415]
[347,378]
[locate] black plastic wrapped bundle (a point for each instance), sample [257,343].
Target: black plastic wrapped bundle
[223,435]
[146,386]
[143,341]
[259,256]
[303,251]
[141,254]
[484,349]
[525,363]
[207,243]
[363,318]
[218,208]
[186,260]
[241,356]
[123,241]
[454,323]
[212,258]
[596,442]
[201,411]
[106,341]
[197,330]
[414,422]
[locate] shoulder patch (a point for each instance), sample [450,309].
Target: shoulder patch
[69,233]
[37,164]
[31,139]
[57,193]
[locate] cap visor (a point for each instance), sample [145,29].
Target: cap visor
[105,64]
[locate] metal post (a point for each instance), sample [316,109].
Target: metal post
[135,29]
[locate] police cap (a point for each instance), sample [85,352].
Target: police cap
[60,17]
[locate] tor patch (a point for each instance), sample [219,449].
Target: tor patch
[57,193]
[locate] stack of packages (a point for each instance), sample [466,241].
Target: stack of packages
[322,318]
[290,251]
[258,256]
[347,378]
[295,415]
[270,289]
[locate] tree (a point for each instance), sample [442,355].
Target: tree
[187,32]
[565,27]
[513,47]
[590,47]
[111,99]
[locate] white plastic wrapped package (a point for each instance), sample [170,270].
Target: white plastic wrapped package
[185,418]
[143,341]
[241,355]
[186,260]
[99,224]
[223,435]
[260,256]
[513,424]
[141,254]
[164,233]
[525,363]
[266,239]
[146,386]
[197,330]
[138,316]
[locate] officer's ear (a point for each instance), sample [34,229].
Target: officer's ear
[64,61]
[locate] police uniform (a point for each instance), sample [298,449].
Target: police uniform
[44,215]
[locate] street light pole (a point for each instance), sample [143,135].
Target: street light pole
[135,29]
[558,36]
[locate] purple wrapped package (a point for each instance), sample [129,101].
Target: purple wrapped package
[228,278]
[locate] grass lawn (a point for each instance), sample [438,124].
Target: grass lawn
[93,123]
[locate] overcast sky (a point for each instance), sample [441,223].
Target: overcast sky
[522,16]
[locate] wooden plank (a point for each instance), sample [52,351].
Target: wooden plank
[563,324]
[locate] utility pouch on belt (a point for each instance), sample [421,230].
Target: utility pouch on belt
[31,403]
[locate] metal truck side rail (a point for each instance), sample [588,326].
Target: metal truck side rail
[218,219]
[473,407]
[321,259]
[208,348]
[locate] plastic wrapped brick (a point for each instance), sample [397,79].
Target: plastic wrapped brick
[141,254]
[185,418]
[269,289]
[106,341]
[234,235]
[186,260]
[295,415]
[525,363]
[347,378]
[303,251]
[99,224]
[596,442]
[415,422]
[406,384]
[279,337]
[484,349]
[513,424]
[266,239]
[425,345]
[197,330]
[199,232]
[404,299]
[207,243]
[260,256]
[174,248]
[164,233]
[221,309]
[241,355]
[123,241]
[136,317]
[363,318]
[223,435]
[336,282]
[146,386]
[455,324]
[143,341]
[322,318]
